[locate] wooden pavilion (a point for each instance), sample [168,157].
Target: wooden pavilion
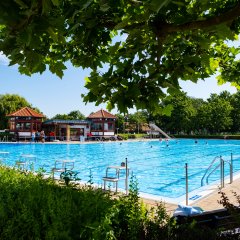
[25,121]
[102,124]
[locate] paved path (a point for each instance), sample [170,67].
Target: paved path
[210,201]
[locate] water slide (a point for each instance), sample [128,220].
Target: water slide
[156,128]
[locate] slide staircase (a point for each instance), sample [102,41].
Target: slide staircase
[158,129]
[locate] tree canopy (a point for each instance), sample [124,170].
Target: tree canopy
[138,50]
[10,103]
[73,115]
[218,114]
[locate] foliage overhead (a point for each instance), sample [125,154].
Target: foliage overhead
[137,50]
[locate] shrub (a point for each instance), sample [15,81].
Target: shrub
[33,208]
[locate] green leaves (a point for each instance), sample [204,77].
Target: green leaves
[104,7]
[57,68]
[46,6]
[53,34]
[21,4]
[224,32]
[137,50]
[157,5]
[55,2]
[214,63]
[167,110]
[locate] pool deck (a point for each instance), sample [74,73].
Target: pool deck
[208,202]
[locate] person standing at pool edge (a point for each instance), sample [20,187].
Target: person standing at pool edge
[33,136]
[37,136]
[42,136]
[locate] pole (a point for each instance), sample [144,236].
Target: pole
[126,180]
[231,169]
[186,172]
[221,171]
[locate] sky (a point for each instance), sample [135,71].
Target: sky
[52,95]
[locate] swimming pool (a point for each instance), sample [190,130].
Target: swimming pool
[158,166]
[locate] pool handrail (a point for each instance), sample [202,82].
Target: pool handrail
[212,172]
[221,165]
[213,161]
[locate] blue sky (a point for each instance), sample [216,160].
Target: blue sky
[53,95]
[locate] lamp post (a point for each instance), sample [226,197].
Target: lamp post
[117,131]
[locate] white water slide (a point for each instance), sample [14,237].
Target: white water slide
[158,129]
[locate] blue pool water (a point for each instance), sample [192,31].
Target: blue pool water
[158,166]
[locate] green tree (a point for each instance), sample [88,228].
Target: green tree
[202,118]
[76,115]
[10,103]
[146,47]
[136,120]
[182,114]
[119,123]
[235,114]
[196,121]
[140,118]
[61,116]
[219,112]
[73,115]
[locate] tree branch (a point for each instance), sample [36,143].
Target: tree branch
[228,17]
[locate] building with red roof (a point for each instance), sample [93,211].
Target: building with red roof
[102,124]
[25,121]
[98,125]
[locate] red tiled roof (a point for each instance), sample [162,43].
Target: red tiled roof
[25,112]
[101,114]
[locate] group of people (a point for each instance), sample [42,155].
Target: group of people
[38,136]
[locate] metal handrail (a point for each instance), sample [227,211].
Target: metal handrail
[221,165]
[212,172]
[213,161]
[231,169]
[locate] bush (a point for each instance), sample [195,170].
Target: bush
[33,208]
[123,136]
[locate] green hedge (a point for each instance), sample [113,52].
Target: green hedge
[127,136]
[209,136]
